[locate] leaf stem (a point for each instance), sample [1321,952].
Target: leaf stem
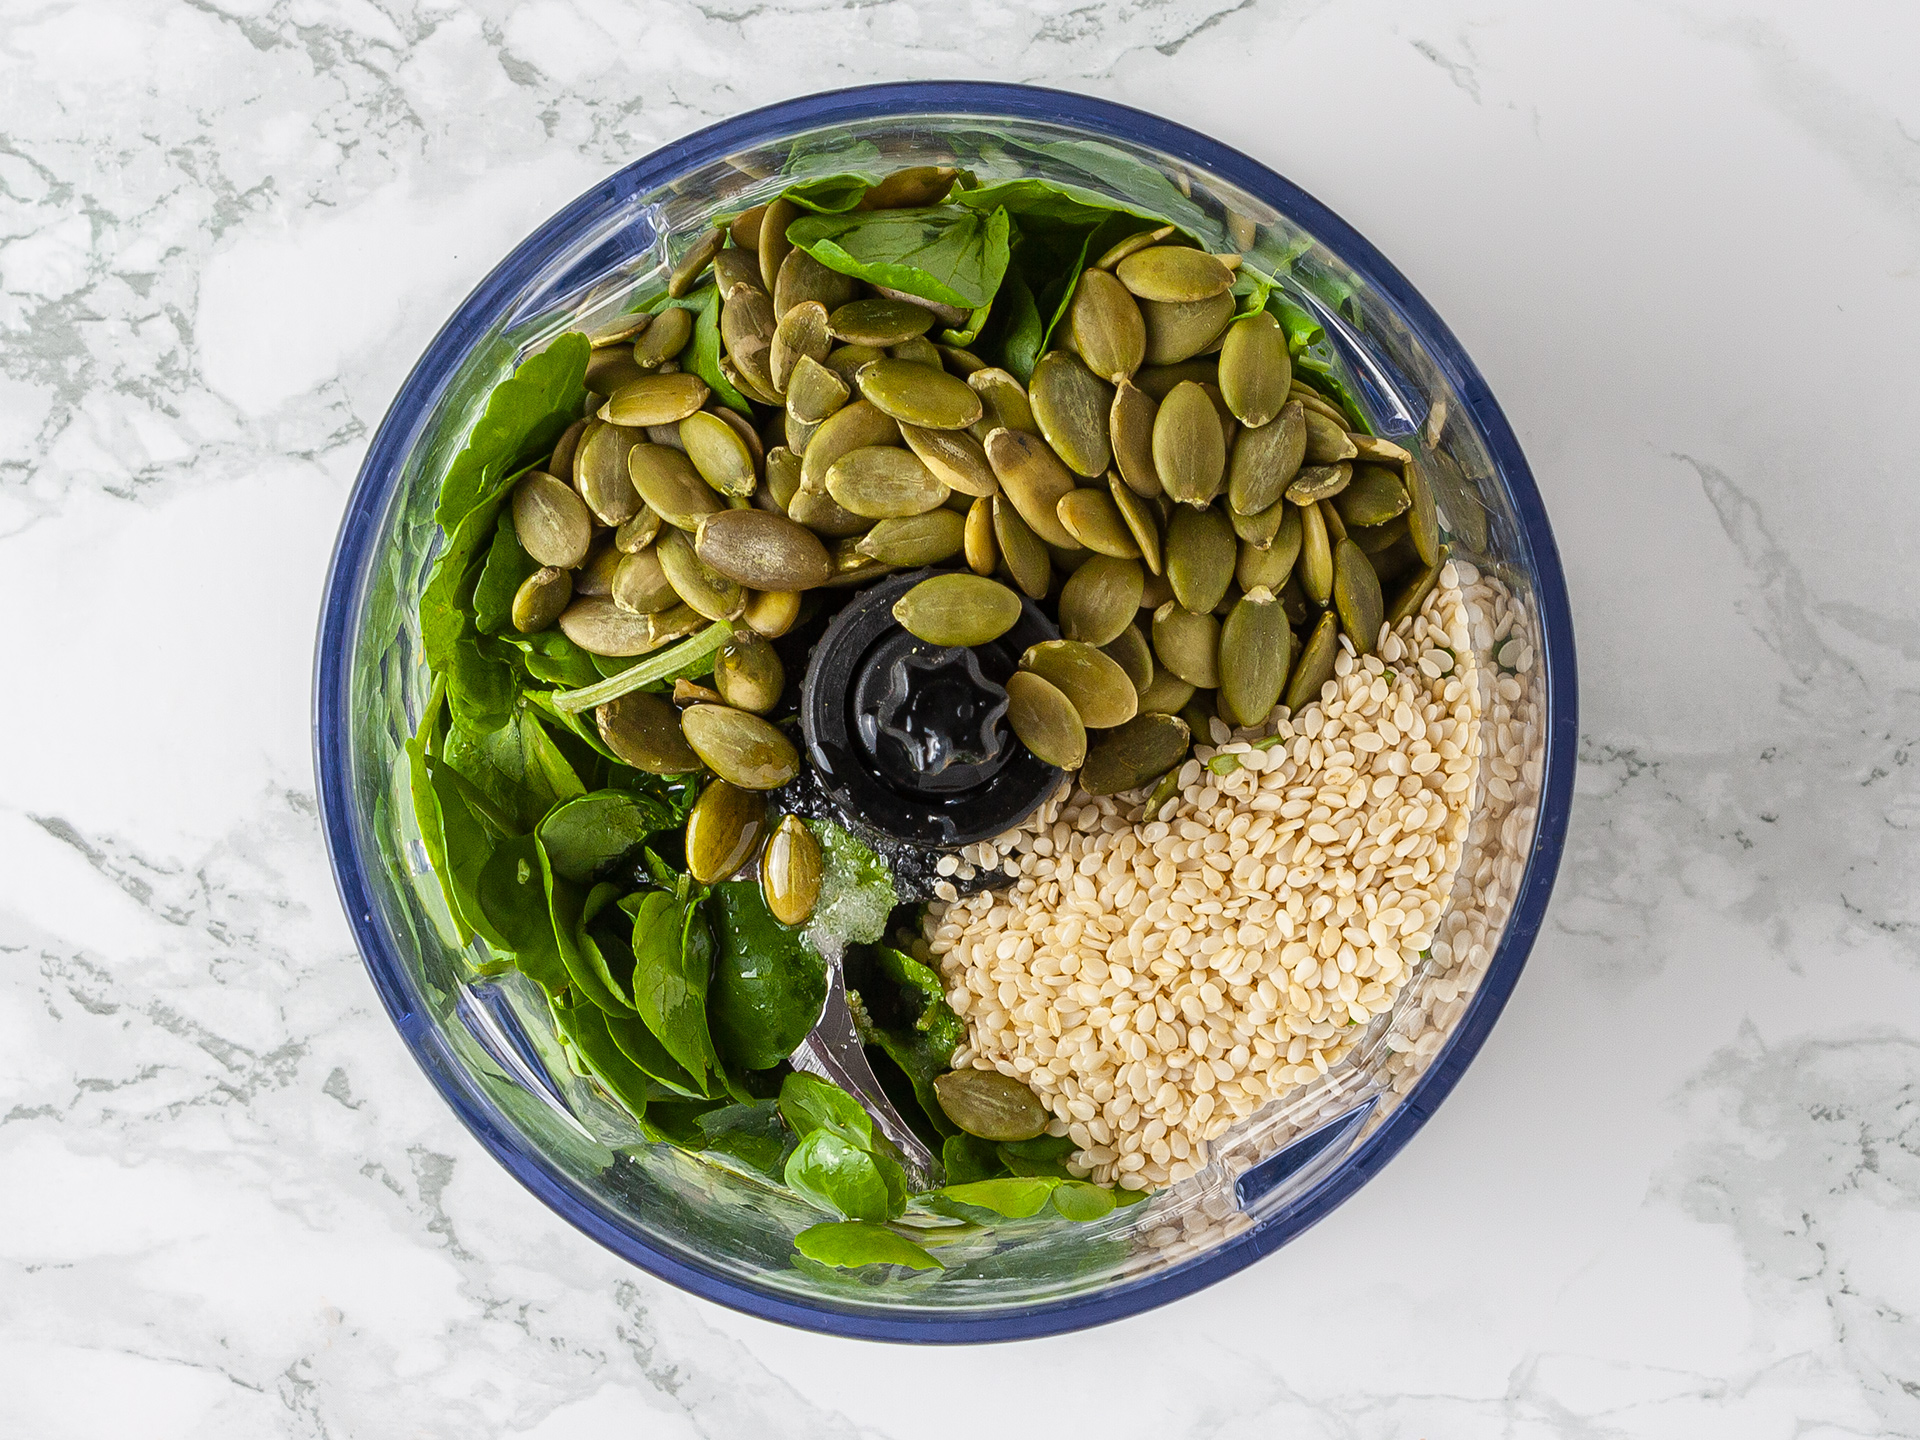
[675,658]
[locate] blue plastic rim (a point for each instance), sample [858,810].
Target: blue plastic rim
[354,557]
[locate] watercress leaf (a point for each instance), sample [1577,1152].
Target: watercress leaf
[856,892]
[810,1103]
[954,256]
[1016,1198]
[514,901]
[967,1158]
[702,355]
[836,1175]
[898,1191]
[588,834]
[752,1133]
[1042,1156]
[524,416]
[506,566]
[672,955]
[768,982]
[586,967]
[1082,1201]
[849,1244]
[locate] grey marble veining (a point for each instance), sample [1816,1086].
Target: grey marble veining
[1678,1194]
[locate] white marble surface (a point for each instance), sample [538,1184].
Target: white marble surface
[1678,1195]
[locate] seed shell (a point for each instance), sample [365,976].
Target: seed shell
[1106,326]
[640,586]
[1201,551]
[882,481]
[1423,518]
[774,246]
[655,400]
[990,1105]
[1023,552]
[919,395]
[879,322]
[1130,432]
[1004,402]
[1356,596]
[664,339]
[1093,519]
[1315,666]
[772,613]
[1315,567]
[1327,442]
[1100,599]
[667,481]
[1313,483]
[1266,460]
[1178,332]
[699,585]
[1140,519]
[801,332]
[852,427]
[977,542]
[540,599]
[1032,477]
[1174,274]
[762,550]
[599,627]
[959,460]
[910,541]
[748,674]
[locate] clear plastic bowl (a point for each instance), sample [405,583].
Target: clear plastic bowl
[488,1044]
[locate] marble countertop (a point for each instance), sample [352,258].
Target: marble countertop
[1677,1195]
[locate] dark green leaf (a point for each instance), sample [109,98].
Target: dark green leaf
[905,1013]
[1044,1155]
[1113,180]
[585,1026]
[967,1158]
[585,965]
[548,657]
[849,1244]
[752,1135]
[590,833]
[833,194]
[768,984]
[672,958]
[837,1175]
[1015,1198]
[702,355]
[525,414]
[942,253]
[810,1103]
[514,900]
[506,566]
[426,804]
[518,767]
[1021,337]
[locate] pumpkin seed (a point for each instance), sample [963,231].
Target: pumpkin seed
[1200,712]
[718,453]
[1144,748]
[1327,442]
[1045,720]
[1260,528]
[706,590]
[1315,567]
[1189,449]
[595,574]
[609,369]
[1162,796]
[956,458]
[1396,562]
[1377,451]
[1174,274]
[640,586]
[671,487]
[909,188]
[600,473]
[1187,644]
[1071,405]
[1165,694]
[1313,483]
[918,351]
[560,463]
[782,477]
[1266,460]
[1130,432]
[540,599]
[977,544]
[1423,518]
[813,391]
[1092,681]
[880,321]
[643,729]
[1131,652]
[741,749]
[959,361]
[803,278]
[686,692]
[1313,400]
[879,481]
[674,623]
[655,400]
[919,395]
[1255,369]
[664,339]
[790,867]
[1106,326]
[1372,497]
[1155,593]
[850,565]
[599,627]
[1256,649]
[1270,565]
[1178,332]
[1092,518]
[617,329]
[1004,404]
[1413,593]
[1100,599]
[773,243]
[990,1105]
[1157,380]
[733,268]
[846,361]
[744,228]
[723,831]
[771,613]
[1336,527]
[910,541]
[761,549]
[1139,518]
[958,609]
[1315,666]
[948,315]
[747,327]
[697,258]
[1120,249]
[814,508]
[1201,550]
[1023,552]
[1356,596]
[1373,539]
[551,520]
[802,332]
[1033,479]
[748,674]
[852,427]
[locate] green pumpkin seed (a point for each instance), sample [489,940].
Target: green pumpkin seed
[1313,483]
[1140,519]
[977,542]
[1256,651]
[1270,565]
[919,395]
[959,361]
[734,268]
[814,508]
[1423,518]
[699,585]
[1158,380]
[1121,249]
[1166,694]
[1327,442]
[850,566]
[1315,666]
[958,609]
[698,256]
[1189,448]
[1045,720]
[1200,712]
[1413,593]
[1336,527]
[1100,599]
[910,188]
[880,481]
[762,550]
[671,487]
[847,361]
[747,327]
[1377,451]
[1396,562]
[1155,593]
[852,427]
[1140,751]
[990,1105]
[1266,460]
[772,613]
[802,332]
[1187,644]
[1133,654]
[1165,791]
[643,729]
[783,476]
[1033,479]
[1314,400]
[640,586]
[655,400]
[551,520]
[664,339]
[774,245]
[1106,326]
[748,674]
[918,351]
[948,315]
[718,453]
[560,463]
[741,749]
[956,458]
[1004,403]
[1260,528]
[910,541]
[1255,369]
[1023,552]
[1130,432]
[1092,681]
[791,867]
[1356,597]
[723,831]
[599,627]
[609,369]
[1201,550]
[1315,567]
[1174,274]
[1374,539]
[1071,405]
[813,391]
[595,574]
[744,229]
[686,692]
[803,278]
[638,531]
[601,475]
[1372,497]
[540,599]
[1092,518]
[879,322]
[1178,332]
[617,329]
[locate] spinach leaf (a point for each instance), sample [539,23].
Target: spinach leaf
[1042,1156]
[517,767]
[954,256]
[548,657]
[768,982]
[850,1244]
[967,1158]
[506,566]
[589,833]
[672,958]
[470,827]
[525,415]
[833,194]
[426,804]
[837,1175]
[751,1134]
[1144,189]
[515,904]
[586,966]
[702,357]
[904,1011]
[1093,244]
[585,1027]
[1022,332]
[809,1103]
[856,893]
[1029,200]
[641,1046]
